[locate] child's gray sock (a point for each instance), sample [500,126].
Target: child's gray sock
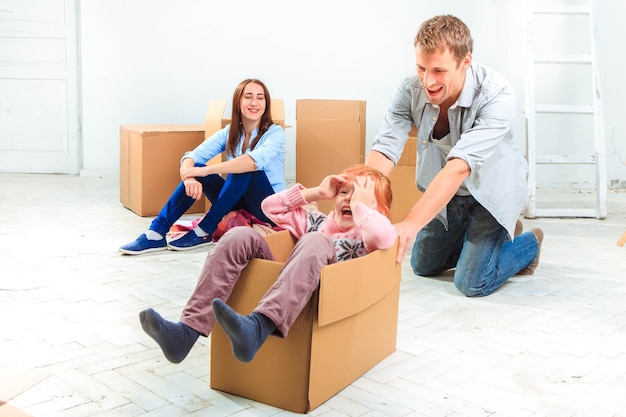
[175,339]
[246,333]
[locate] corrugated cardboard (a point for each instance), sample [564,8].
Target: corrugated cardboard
[330,136]
[348,326]
[149,164]
[409,154]
[405,192]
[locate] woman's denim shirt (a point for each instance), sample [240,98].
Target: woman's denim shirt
[268,155]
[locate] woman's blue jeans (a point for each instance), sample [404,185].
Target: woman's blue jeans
[476,245]
[239,191]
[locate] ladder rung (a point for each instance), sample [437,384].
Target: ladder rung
[564,59]
[565,159]
[563,108]
[565,212]
[555,9]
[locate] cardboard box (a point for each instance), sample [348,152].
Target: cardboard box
[405,192]
[348,326]
[330,136]
[403,186]
[149,164]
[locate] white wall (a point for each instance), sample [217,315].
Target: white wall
[159,61]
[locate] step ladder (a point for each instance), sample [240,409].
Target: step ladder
[593,109]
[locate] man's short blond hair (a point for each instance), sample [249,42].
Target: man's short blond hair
[444,32]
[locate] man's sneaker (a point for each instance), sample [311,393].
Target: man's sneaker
[143,245]
[190,240]
[530,269]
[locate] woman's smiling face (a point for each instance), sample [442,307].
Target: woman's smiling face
[252,103]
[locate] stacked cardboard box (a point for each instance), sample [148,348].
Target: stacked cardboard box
[149,164]
[348,326]
[403,186]
[330,136]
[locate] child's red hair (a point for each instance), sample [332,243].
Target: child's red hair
[382,187]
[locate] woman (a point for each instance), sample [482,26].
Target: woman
[255,150]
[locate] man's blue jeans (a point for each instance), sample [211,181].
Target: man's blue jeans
[476,245]
[238,191]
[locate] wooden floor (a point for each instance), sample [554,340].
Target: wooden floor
[552,344]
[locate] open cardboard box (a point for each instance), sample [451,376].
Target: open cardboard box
[348,326]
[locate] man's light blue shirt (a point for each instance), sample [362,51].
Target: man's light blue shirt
[481,134]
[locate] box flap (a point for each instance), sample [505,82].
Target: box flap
[281,243]
[160,129]
[353,110]
[213,117]
[349,287]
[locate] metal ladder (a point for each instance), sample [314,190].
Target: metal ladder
[593,109]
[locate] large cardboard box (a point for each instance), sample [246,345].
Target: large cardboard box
[330,136]
[348,326]
[403,186]
[149,164]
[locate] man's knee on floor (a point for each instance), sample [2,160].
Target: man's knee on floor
[469,288]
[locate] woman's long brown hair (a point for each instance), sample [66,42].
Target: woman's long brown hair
[236,127]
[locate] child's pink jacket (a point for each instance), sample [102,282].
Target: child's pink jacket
[372,231]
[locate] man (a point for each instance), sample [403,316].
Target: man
[472,175]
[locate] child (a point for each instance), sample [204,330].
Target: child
[359,224]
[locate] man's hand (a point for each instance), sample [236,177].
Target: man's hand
[406,235]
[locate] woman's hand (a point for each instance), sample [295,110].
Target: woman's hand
[193,188]
[193,172]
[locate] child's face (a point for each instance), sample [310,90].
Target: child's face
[343,199]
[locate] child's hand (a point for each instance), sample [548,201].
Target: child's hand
[364,192]
[329,186]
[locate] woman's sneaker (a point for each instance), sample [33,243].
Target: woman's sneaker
[190,240]
[143,245]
